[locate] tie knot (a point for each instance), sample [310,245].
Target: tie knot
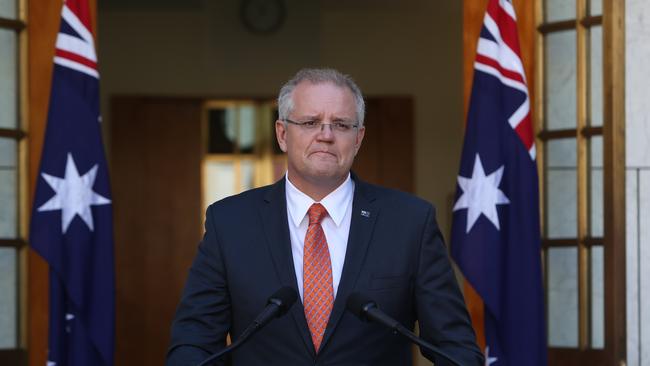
[316,213]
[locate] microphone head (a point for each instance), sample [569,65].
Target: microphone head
[284,299]
[358,304]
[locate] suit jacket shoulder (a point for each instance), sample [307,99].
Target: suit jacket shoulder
[395,200]
[244,201]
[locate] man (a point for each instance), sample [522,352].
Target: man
[327,234]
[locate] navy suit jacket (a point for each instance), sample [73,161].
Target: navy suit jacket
[395,255]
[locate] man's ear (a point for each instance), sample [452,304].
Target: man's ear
[281,134]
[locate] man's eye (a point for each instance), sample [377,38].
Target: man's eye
[310,123]
[341,126]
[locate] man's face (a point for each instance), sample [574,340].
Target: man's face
[320,157]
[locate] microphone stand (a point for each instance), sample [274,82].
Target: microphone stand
[277,305]
[422,343]
[372,312]
[234,345]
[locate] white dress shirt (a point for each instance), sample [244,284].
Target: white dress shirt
[336,226]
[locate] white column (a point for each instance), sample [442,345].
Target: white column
[637,94]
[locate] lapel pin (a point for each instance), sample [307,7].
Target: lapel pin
[365,213]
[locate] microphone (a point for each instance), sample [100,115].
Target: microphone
[277,305]
[368,311]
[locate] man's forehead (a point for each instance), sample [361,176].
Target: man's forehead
[308,85]
[323,95]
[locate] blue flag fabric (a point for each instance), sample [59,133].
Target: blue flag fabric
[495,231]
[71,226]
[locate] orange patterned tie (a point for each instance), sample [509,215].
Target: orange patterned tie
[318,293]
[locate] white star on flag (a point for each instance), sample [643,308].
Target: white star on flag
[481,195]
[489,360]
[74,195]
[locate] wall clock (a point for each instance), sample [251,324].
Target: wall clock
[263,16]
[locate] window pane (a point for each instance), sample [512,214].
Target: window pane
[8,298]
[561,153]
[8,203]
[561,215]
[247,123]
[597,298]
[221,131]
[8,9]
[562,290]
[595,7]
[596,193]
[219,181]
[8,189]
[561,191]
[555,10]
[8,150]
[560,75]
[596,76]
[248,175]
[8,78]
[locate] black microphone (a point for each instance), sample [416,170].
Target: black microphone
[367,310]
[277,305]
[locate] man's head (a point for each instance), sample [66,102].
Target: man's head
[320,127]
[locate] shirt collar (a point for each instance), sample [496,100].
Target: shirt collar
[336,203]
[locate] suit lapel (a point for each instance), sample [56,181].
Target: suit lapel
[274,219]
[364,215]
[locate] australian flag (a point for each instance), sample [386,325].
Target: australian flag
[495,230]
[71,225]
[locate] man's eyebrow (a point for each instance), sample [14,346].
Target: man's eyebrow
[342,119]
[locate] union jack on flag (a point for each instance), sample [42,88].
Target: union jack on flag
[71,225]
[495,231]
[75,47]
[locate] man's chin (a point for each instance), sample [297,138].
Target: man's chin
[328,175]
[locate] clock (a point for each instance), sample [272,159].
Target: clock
[263,16]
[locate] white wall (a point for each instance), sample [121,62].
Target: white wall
[637,92]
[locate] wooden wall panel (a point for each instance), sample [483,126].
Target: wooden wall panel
[386,156]
[614,15]
[156,165]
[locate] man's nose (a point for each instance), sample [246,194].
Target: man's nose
[326,131]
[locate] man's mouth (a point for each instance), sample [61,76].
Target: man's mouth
[323,153]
